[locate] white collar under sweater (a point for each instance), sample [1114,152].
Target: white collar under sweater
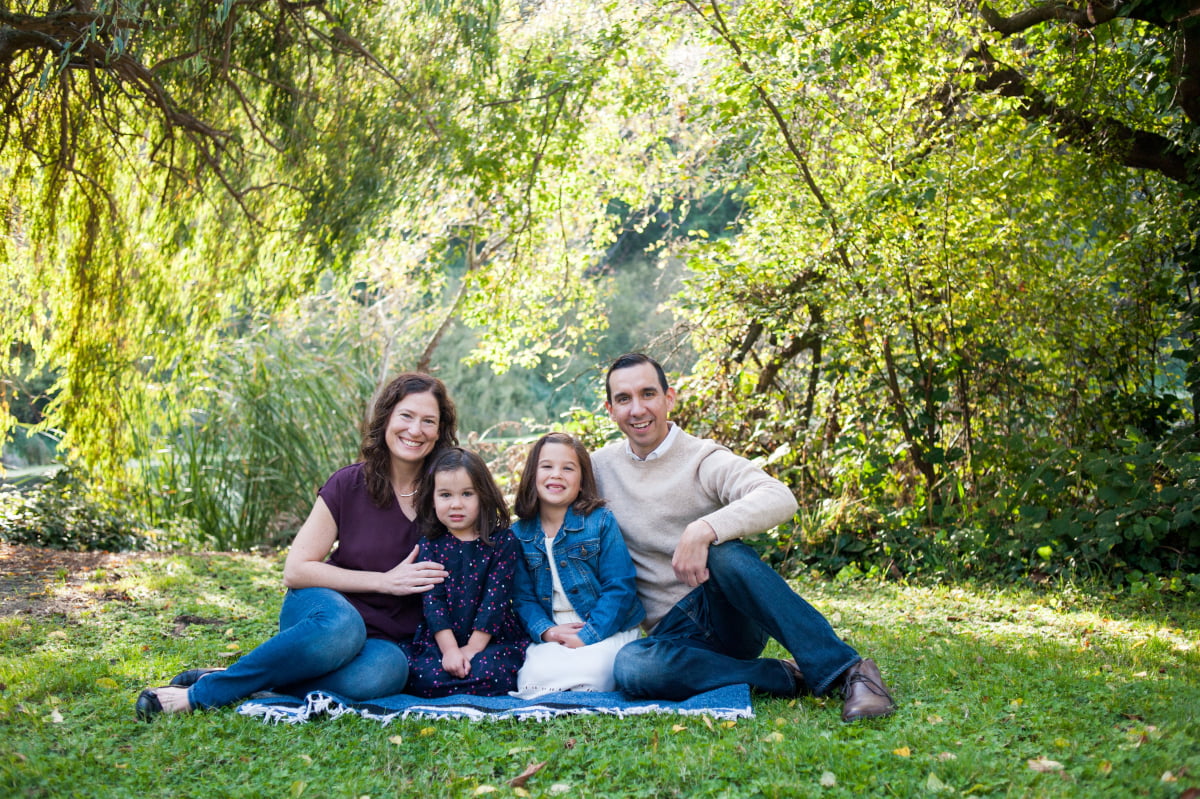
[661,449]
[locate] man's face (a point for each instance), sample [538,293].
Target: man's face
[640,407]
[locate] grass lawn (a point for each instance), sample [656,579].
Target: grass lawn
[1002,692]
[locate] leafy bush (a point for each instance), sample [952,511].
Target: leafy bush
[62,513]
[1134,507]
[1130,512]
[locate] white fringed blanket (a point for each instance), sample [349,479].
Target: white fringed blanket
[730,702]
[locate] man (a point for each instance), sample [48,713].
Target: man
[711,603]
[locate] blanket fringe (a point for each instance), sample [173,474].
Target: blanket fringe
[276,710]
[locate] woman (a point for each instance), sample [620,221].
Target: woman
[346,614]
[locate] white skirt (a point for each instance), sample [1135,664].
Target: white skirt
[551,667]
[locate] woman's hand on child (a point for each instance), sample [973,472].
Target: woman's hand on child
[565,634]
[410,577]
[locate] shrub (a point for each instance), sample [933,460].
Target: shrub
[62,513]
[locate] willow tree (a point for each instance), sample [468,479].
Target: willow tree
[168,168]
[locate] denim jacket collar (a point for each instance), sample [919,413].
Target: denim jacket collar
[530,530]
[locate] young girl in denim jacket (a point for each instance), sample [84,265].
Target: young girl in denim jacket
[577,595]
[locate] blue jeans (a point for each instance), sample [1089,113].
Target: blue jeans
[714,636]
[321,645]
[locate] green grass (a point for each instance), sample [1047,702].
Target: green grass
[987,679]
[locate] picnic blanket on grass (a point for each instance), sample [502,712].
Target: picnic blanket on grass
[730,702]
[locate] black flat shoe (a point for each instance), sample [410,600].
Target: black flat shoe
[147,705]
[186,679]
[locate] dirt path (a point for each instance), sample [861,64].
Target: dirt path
[42,582]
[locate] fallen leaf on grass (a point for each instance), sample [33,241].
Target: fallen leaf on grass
[903,751]
[428,731]
[396,739]
[774,737]
[520,780]
[935,785]
[559,787]
[482,789]
[677,728]
[726,724]
[944,756]
[1169,777]
[1044,764]
[828,780]
[55,717]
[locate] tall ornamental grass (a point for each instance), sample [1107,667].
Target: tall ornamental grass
[277,417]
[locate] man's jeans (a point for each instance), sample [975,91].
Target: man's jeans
[715,634]
[321,645]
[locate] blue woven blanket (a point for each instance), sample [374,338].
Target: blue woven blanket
[730,702]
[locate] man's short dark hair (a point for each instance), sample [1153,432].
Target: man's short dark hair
[633,359]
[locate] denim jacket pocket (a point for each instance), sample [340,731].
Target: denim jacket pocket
[535,560]
[587,549]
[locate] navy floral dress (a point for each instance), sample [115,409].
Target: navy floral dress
[476,596]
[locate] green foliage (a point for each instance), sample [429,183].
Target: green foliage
[1133,507]
[64,512]
[908,255]
[279,413]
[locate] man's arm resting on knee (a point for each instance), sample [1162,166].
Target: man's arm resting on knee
[690,560]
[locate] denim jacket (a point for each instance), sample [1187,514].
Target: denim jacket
[594,567]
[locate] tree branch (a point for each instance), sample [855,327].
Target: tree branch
[1132,147]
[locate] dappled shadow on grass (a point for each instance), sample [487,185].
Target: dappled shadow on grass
[990,680]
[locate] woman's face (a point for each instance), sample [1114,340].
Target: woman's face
[412,429]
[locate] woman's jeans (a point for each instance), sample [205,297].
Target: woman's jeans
[321,645]
[713,636]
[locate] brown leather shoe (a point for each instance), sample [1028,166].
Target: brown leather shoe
[799,686]
[866,695]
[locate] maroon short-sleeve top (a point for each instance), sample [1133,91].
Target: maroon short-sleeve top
[370,538]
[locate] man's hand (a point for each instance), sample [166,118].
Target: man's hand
[410,577]
[691,553]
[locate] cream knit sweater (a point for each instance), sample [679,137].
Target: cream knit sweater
[655,500]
